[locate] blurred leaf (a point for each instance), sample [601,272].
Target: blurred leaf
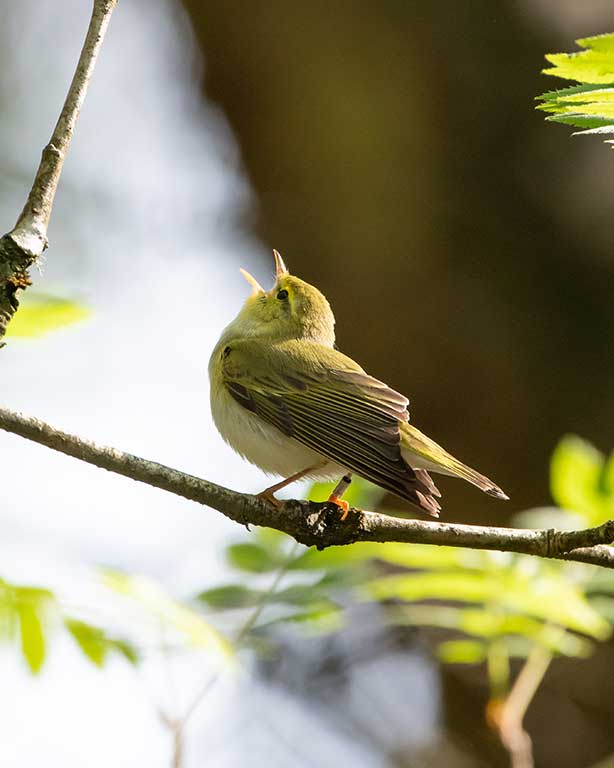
[582,481]
[467,587]
[490,624]
[96,644]
[599,580]
[274,542]
[39,314]
[235,596]
[605,606]
[461,652]
[433,558]
[254,558]
[32,635]
[322,619]
[334,557]
[231,596]
[541,593]
[171,614]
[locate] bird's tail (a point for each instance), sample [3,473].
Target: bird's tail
[420,452]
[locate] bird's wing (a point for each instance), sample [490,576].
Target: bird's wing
[325,401]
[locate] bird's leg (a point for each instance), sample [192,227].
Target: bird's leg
[338,491]
[268,493]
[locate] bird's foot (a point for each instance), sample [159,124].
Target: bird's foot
[269,496]
[341,504]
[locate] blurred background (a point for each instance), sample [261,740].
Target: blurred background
[392,153]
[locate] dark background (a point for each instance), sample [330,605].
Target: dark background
[464,243]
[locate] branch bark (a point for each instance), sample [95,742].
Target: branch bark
[319,524]
[20,247]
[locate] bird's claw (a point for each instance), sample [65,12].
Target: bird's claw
[343,505]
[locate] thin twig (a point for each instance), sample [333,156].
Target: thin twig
[320,524]
[20,247]
[511,711]
[245,628]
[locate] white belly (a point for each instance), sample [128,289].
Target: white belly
[263,444]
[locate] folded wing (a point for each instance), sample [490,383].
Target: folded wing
[325,401]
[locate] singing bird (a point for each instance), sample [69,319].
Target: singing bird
[287,401]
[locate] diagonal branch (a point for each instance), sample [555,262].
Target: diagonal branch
[20,247]
[319,524]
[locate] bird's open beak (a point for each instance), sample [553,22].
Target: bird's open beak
[280,268]
[256,287]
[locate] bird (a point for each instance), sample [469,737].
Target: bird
[287,400]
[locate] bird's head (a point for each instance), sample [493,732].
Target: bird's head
[292,309]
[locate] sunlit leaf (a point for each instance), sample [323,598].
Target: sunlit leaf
[580,480]
[39,314]
[433,558]
[461,651]
[32,634]
[490,624]
[96,643]
[589,106]
[595,64]
[538,592]
[468,587]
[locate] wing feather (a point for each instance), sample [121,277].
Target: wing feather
[325,401]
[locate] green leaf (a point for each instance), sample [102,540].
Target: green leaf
[253,558]
[96,644]
[593,65]
[466,587]
[32,634]
[582,481]
[275,542]
[528,589]
[322,619]
[563,93]
[462,652]
[433,558]
[584,121]
[231,596]
[589,106]
[334,557]
[39,314]
[490,624]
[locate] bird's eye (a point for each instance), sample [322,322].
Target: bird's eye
[283,294]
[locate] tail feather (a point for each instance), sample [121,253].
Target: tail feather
[424,493]
[422,453]
[480,481]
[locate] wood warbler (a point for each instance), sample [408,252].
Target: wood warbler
[286,400]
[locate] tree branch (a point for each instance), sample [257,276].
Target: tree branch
[319,524]
[20,247]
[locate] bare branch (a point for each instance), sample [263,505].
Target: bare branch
[319,524]
[20,247]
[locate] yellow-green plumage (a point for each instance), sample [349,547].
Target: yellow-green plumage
[285,399]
